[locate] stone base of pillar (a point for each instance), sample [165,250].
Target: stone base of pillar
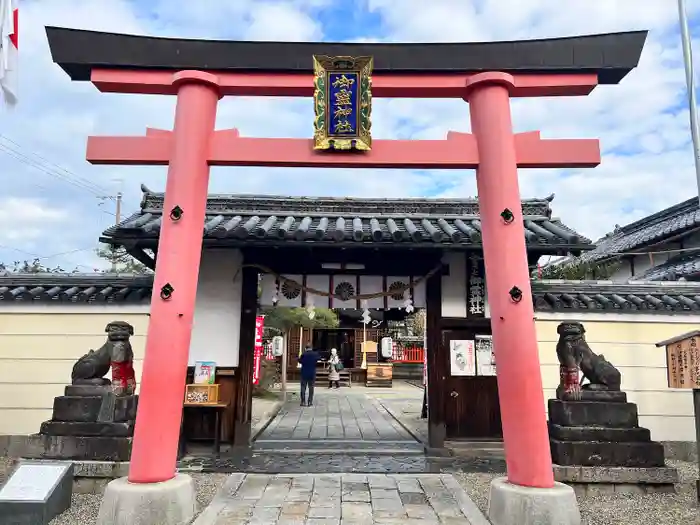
[516,505]
[171,502]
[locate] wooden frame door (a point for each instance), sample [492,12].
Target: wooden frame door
[472,409]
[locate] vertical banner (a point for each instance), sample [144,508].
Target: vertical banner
[425,358]
[258,350]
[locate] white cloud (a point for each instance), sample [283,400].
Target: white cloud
[642,123]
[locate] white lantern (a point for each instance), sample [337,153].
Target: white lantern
[387,348]
[277,346]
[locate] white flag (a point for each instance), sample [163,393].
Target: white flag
[9,33]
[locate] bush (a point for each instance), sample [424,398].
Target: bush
[269,375]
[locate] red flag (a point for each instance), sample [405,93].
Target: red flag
[9,49]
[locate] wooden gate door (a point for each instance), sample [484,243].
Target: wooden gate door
[472,410]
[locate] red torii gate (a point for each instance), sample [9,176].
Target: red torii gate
[492,149]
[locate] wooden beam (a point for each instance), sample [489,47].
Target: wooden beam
[437,364]
[141,256]
[458,151]
[246,343]
[384,85]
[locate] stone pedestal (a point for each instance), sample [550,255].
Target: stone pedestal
[601,429]
[88,423]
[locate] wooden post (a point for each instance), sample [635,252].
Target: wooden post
[683,371]
[243,410]
[696,406]
[284,366]
[437,363]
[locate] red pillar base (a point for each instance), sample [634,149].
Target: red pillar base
[511,504]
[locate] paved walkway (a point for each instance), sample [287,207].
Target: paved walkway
[342,499]
[336,414]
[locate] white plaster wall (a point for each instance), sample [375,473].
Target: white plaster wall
[629,342]
[217,315]
[454,285]
[40,342]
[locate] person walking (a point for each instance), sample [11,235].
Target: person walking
[334,368]
[308,361]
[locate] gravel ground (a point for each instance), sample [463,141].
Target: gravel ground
[617,509]
[85,507]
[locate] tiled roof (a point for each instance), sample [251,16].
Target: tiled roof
[607,296]
[686,265]
[266,220]
[653,229]
[75,288]
[548,296]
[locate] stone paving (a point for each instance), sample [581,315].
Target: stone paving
[343,499]
[336,414]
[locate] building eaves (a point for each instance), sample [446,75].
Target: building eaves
[263,220]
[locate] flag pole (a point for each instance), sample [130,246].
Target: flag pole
[690,82]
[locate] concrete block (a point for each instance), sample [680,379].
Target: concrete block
[516,505]
[36,493]
[171,502]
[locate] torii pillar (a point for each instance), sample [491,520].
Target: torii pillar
[529,494]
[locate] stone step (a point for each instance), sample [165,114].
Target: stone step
[607,454]
[41,446]
[72,428]
[593,414]
[476,449]
[348,452]
[344,447]
[563,433]
[90,409]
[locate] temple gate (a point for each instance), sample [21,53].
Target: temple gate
[486,75]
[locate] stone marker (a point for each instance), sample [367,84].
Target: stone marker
[36,493]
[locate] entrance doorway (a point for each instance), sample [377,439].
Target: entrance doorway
[473,410]
[342,340]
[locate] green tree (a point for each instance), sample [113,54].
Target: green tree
[578,271]
[284,319]
[33,266]
[122,261]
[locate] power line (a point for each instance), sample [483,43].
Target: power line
[45,257]
[48,167]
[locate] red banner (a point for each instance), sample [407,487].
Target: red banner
[258,350]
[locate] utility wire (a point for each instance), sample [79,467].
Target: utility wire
[45,257]
[50,168]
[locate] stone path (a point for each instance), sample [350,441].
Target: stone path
[336,415]
[343,499]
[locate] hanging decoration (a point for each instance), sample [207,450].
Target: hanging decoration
[408,303]
[310,309]
[276,295]
[344,292]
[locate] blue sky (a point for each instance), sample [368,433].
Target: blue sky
[51,207]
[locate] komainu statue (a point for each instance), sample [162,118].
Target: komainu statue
[115,353]
[574,354]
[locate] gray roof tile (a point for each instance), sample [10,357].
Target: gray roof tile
[649,230]
[261,219]
[548,296]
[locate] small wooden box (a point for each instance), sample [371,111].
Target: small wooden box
[202,394]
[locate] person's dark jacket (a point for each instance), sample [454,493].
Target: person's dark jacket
[308,360]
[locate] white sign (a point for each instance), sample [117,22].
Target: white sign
[462,358]
[33,481]
[485,358]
